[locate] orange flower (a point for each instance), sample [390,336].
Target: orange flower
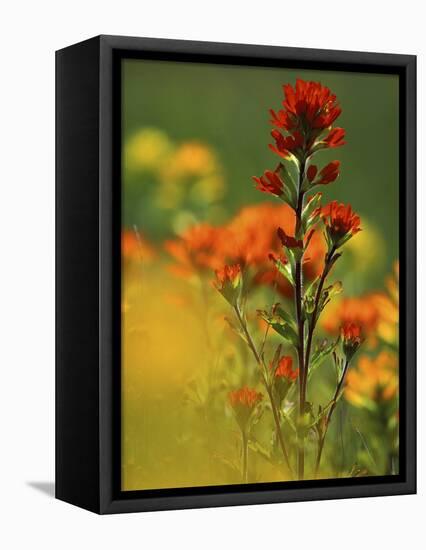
[340,221]
[243,403]
[373,381]
[352,338]
[229,274]
[285,369]
[229,283]
[387,304]
[249,240]
[253,233]
[270,183]
[361,311]
[198,250]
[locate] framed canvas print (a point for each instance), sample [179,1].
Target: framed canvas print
[236,286]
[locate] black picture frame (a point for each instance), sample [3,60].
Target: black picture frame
[88,280]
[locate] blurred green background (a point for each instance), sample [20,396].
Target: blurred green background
[226,107]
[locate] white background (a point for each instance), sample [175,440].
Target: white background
[30,32]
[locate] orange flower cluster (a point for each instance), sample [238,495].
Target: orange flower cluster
[375,315]
[361,311]
[243,403]
[373,381]
[244,397]
[387,304]
[198,250]
[248,240]
[285,369]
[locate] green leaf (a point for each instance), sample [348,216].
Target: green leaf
[285,270]
[280,325]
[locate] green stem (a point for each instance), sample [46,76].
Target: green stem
[328,419]
[244,441]
[259,361]
[301,333]
[327,266]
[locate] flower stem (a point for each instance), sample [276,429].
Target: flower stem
[301,332]
[328,419]
[327,267]
[244,441]
[261,364]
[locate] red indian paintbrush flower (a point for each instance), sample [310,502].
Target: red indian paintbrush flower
[309,109]
[229,282]
[270,182]
[285,369]
[243,403]
[352,339]
[341,222]
[309,102]
[229,274]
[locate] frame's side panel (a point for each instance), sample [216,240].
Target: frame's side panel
[409,275]
[77,274]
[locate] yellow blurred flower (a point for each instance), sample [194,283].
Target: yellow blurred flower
[190,159]
[208,189]
[147,150]
[373,380]
[367,251]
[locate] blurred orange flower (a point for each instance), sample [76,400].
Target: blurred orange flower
[255,238]
[134,247]
[197,250]
[229,274]
[285,369]
[361,311]
[387,304]
[373,380]
[243,403]
[248,240]
[191,159]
